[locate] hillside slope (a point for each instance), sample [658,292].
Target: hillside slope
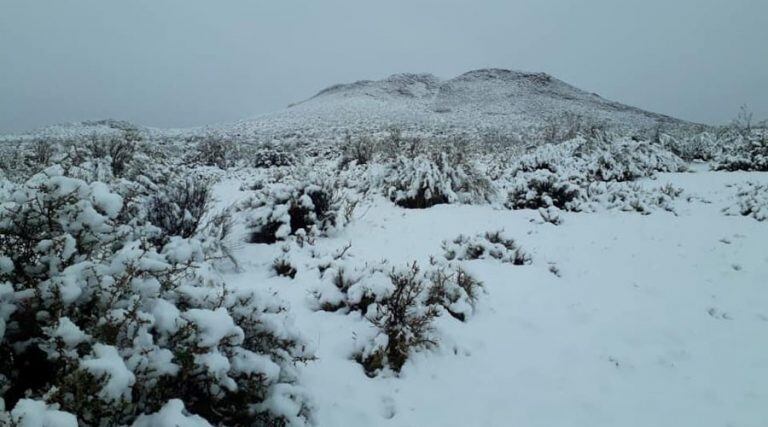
[480,101]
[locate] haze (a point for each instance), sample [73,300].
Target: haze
[180,63]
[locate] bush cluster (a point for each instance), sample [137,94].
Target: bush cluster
[747,153]
[108,318]
[585,174]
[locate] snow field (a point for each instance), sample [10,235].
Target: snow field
[655,319]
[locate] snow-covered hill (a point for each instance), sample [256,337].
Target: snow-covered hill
[487,101]
[480,101]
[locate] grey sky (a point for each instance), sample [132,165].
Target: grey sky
[175,63]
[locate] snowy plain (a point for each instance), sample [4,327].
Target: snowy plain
[658,319]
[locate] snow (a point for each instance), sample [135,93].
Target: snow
[34,413]
[217,365]
[172,414]
[251,363]
[105,200]
[69,333]
[213,326]
[107,361]
[651,320]
[167,316]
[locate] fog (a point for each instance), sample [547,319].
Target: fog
[179,63]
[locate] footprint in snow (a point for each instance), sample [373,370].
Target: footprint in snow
[388,409]
[716,314]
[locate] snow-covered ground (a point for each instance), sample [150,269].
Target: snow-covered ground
[651,320]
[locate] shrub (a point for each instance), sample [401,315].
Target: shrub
[584,174]
[13,163]
[551,215]
[272,155]
[98,323]
[358,151]
[400,303]
[567,126]
[117,149]
[282,265]
[41,152]
[178,207]
[699,146]
[748,154]
[349,288]
[630,197]
[491,245]
[214,150]
[310,206]
[454,289]
[751,200]
[404,323]
[443,174]
[122,149]
[543,189]
[627,160]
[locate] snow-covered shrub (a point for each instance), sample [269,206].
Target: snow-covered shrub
[748,153]
[357,150]
[567,125]
[113,152]
[627,160]
[178,207]
[347,288]
[543,189]
[214,150]
[13,163]
[490,245]
[282,265]
[404,322]
[453,288]
[116,149]
[41,151]
[97,322]
[699,146]
[400,303]
[272,155]
[631,197]
[551,215]
[308,205]
[442,173]
[121,151]
[20,161]
[751,200]
[584,174]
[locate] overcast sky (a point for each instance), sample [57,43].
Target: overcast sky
[176,63]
